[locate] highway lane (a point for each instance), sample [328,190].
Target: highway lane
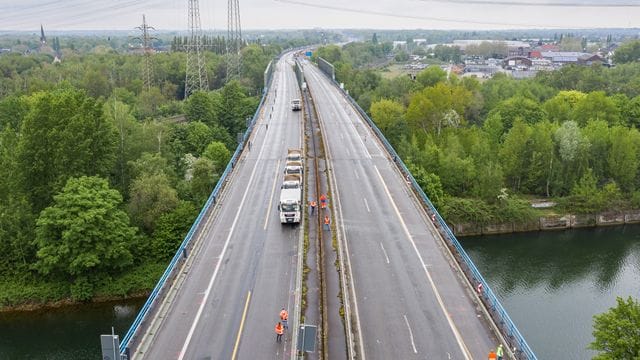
[409,299]
[245,270]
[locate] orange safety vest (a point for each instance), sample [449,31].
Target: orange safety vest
[323,198]
[492,356]
[284,315]
[326,220]
[279,329]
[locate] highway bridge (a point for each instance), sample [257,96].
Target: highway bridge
[405,293]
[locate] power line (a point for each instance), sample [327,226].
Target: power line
[542,4]
[403,16]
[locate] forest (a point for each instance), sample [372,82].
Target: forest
[101,177]
[482,149]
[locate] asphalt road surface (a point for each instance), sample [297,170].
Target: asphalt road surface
[245,270]
[408,300]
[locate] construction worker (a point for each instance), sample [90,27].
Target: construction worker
[284,316]
[492,355]
[500,352]
[312,204]
[280,331]
[327,222]
[323,201]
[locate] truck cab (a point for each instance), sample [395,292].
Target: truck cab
[296,105]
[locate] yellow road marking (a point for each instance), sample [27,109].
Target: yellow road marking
[244,315]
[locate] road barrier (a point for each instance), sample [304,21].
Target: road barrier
[182,253]
[500,317]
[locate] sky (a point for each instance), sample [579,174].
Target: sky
[57,15]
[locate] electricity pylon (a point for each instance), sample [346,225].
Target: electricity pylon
[196,76]
[148,50]
[234,40]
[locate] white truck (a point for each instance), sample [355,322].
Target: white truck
[290,205]
[294,168]
[296,105]
[294,155]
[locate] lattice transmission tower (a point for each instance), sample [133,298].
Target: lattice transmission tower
[234,40]
[196,77]
[148,50]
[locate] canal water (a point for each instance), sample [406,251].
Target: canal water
[67,333]
[552,283]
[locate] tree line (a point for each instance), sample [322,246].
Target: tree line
[479,148]
[101,180]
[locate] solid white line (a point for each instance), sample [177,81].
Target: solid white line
[224,250]
[356,173]
[385,253]
[366,204]
[453,327]
[415,351]
[273,190]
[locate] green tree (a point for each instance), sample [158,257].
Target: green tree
[519,107]
[63,135]
[572,147]
[597,132]
[560,107]
[431,76]
[617,332]
[514,153]
[199,136]
[623,156]
[151,164]
[389,117]
[171,228]
[151,196]
[203,180]
[596,105]
[434,108]
[199,107]
[234,108]
[218,153]
[627,52]
[84,234]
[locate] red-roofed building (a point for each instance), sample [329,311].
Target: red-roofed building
[548,47]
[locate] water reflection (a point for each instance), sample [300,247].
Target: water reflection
[69,333]
[552,283]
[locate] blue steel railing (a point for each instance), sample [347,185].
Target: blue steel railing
[498,313]
[182,250]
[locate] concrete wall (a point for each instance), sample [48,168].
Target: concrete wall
[558,222]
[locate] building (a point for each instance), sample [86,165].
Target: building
[420,42]
[571,57]
[402,45]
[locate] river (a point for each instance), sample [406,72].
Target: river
[552,283]
[66,333]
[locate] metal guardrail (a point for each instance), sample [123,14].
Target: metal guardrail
[181,253]
[499,314]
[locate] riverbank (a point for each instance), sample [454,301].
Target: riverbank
[31,293]
[550,222]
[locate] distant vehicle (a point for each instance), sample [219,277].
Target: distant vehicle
[296,105]
[294,155]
